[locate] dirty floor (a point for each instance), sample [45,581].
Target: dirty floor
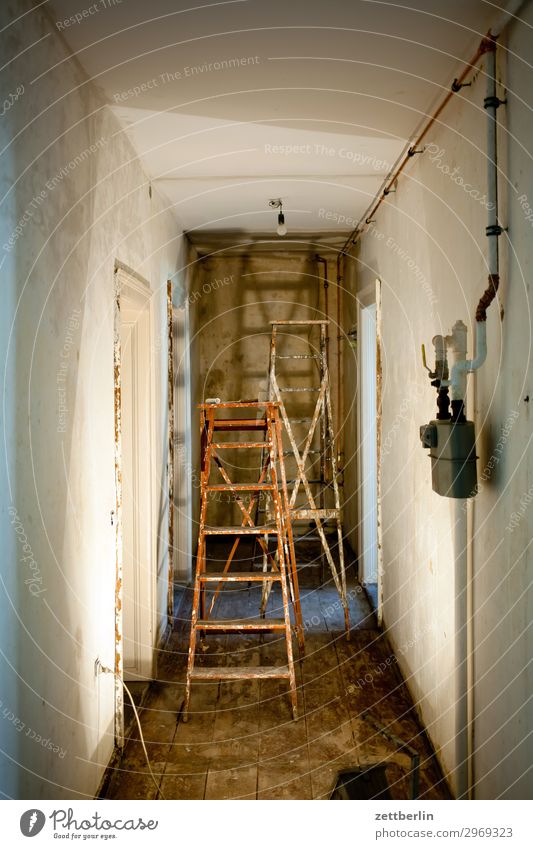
[240,741]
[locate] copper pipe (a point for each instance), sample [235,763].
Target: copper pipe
[486,44]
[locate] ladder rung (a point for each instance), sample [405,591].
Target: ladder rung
[241,624]
[312,451]
[269,509]
[305,420]
[299,389]
[210,673]
[300,323]
[240,444]
[251,403]
[239,424]
[237,530]
[320,513]
[297,357]
[242,487]
[239,576]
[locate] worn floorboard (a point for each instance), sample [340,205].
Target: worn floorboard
[241,741]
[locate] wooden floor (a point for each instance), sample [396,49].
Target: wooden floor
[240,741]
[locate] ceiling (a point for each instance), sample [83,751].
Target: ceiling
[232,103]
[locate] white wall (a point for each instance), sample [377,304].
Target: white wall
[440,228]
[97,211]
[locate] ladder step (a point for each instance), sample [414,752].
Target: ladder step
[237,530]
[299,389]
[305,420]
[212,673]
[240,624]
[240,444]
[298,357]
[238,576]
[239,424]
[246,404]
[308,513]
[313,451]
[300,323]
[241,487]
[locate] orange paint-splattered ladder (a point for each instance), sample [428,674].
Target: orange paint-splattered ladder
[282,566]
[321,422]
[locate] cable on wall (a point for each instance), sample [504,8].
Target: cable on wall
[111,672]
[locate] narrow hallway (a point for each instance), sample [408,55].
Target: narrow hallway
[266,275]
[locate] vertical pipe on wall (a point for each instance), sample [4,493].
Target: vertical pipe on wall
[470,508]
[460,546]
[493,229]
[491,106]
[507,14]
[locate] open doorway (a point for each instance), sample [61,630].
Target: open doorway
[136,555]
[368,320]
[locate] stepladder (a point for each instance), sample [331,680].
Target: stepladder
[298,380]
[252,430]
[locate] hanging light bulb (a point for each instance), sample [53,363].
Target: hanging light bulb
[277,203]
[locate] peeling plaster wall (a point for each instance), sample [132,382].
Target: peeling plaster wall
[440,228]
[79,209]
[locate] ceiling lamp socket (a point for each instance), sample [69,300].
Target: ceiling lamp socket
[277,203]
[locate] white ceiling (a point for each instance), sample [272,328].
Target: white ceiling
[339,87]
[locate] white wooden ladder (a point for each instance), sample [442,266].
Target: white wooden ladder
[316,488]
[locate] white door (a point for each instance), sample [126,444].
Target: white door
[138,559]
[368,445]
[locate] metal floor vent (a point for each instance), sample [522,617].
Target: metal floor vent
[366,783]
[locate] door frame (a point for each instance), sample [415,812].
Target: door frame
[183,467]
[368,296]
[171,431]
[127,283]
